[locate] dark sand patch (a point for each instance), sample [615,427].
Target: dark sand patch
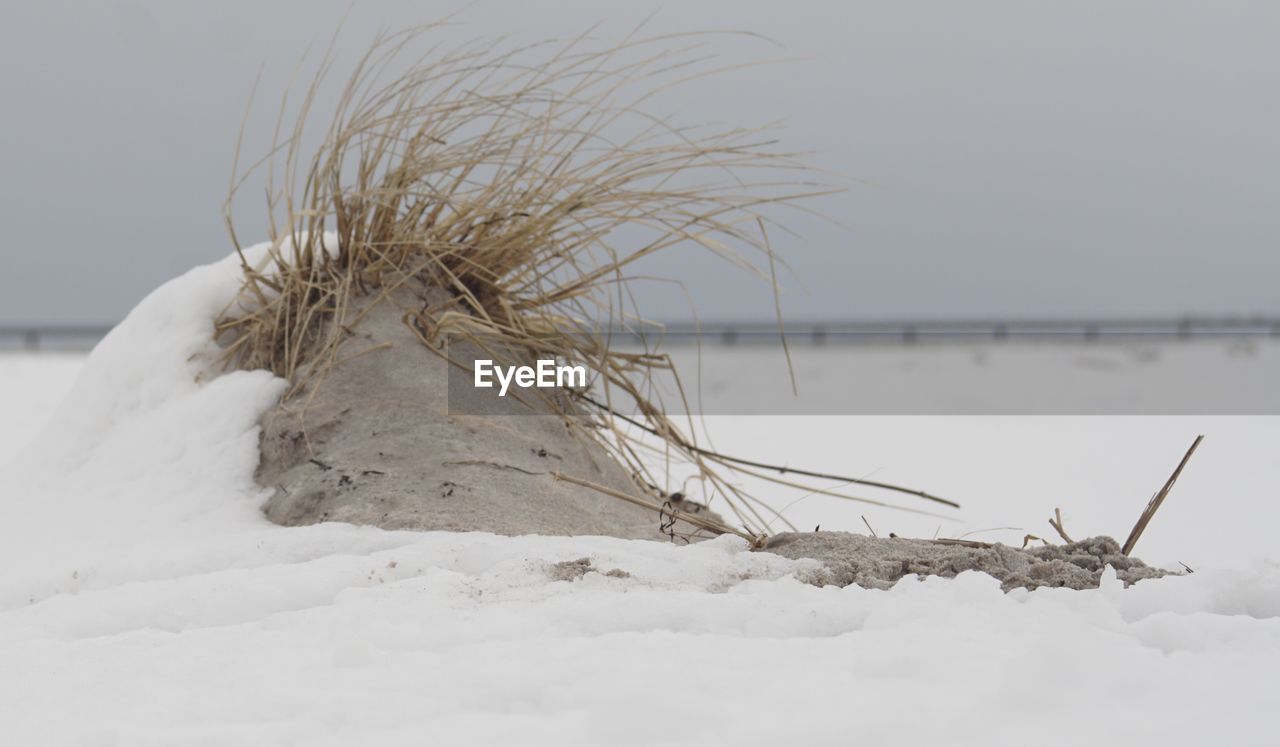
[878,563]
[572,570]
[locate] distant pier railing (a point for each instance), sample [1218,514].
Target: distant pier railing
[84,336]
[975,330]
[51,336]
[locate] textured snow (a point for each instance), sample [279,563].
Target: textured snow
[464,639]
[144,599]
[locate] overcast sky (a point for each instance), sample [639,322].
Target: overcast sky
[1011,159]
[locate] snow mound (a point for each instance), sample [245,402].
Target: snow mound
[149,459]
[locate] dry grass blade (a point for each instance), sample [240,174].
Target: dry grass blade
[1157,499]
[784,469]
[972,544]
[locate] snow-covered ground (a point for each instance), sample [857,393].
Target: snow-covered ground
[144,600]
[31,386]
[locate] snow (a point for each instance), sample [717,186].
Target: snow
[31,386]
[463,640]
[145,600]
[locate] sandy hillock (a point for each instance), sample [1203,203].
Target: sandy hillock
[377,440]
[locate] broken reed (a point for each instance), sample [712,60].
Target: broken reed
[1158,499]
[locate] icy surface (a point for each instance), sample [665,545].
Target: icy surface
[144,599]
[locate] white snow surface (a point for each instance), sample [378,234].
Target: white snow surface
[31,386]
[144,599]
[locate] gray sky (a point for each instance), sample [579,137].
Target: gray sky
[1013,158]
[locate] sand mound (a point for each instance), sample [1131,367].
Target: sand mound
[374,441]
[879,563]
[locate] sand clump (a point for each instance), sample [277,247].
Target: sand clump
[572,570]
[878,563]
[380,439]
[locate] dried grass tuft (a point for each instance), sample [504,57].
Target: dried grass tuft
[527,181]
